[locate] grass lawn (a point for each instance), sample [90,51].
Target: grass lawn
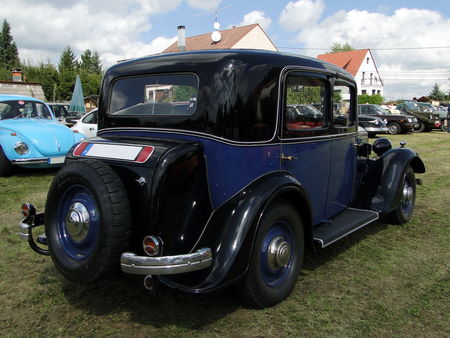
[383,280]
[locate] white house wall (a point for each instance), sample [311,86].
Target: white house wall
[255,39]
[368,78]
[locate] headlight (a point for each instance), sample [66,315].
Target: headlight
[21,148]
[431,117]
[410,119]
[415,119]
[373,121]
[385,121]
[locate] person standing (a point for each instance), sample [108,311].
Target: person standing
[448,118]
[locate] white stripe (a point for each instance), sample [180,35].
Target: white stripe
[114,151]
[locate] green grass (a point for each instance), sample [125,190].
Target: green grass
[383,280]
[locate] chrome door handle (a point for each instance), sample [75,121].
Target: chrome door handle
[287,157]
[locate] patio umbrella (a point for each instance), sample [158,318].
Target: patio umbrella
[77,102]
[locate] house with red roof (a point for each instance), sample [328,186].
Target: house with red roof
[244,37]
[362,66]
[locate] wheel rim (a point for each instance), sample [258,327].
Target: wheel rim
[78,222]
[407,202]
[393,129]
[277,254]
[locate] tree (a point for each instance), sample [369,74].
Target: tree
[372,99]
[436,93]
[304,95]
[9,57]
[337,47]
[47,75]
[67,67]
[90,62]
[67,61]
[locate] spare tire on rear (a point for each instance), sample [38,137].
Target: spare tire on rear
[87,220]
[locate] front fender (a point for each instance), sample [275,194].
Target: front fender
[389,169]
[231,230]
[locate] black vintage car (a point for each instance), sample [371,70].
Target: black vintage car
[211,168]
[373,124]
[426,120]
[396,123]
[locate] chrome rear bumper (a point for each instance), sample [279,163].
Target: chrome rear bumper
[165,265]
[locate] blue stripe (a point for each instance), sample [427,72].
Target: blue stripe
[86,149]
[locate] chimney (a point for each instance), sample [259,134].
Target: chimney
[181,38]
[17,75]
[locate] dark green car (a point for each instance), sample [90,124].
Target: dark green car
[426,120]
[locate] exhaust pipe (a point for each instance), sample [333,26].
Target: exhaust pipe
[151,284]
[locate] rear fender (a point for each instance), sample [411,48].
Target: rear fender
[231,230]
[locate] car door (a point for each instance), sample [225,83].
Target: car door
[90,124]
[305,134]
[345,140]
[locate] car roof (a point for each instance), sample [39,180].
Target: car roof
[7,97]
[204,58]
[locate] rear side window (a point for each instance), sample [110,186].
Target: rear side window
[305,105]
[174,94]
[344,107]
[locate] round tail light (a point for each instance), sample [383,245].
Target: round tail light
[151,245]
[28,209]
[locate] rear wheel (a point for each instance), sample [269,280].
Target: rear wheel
[5,164]
[407,190]
[276,258]
[394,128]
[87,220]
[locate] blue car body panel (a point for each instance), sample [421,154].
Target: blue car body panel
[46,138]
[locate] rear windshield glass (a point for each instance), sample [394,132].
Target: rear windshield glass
[174,94]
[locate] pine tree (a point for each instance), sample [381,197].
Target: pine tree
[67,61]
[436,93]
[67,68]
[9,57]
[90,62]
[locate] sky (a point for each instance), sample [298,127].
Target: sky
[409,39]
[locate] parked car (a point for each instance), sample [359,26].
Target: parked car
[87,125]
[30,135]
[63,114]
[200,177]
[396,123]
[426,120]
[429,108]
[373,124]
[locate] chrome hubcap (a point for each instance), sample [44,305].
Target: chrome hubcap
[408,194]
[77,221]
[278,254]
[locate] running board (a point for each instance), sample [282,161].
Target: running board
[343,224]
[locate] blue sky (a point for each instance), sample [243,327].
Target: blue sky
[133,28]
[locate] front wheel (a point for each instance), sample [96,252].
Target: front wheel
[87,220]
[420,128]
[407,190]
[277,256]
[394,128]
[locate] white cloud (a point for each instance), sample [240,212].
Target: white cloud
[405,28]
[257,17]
[302,13]
[112,28]
[204,4]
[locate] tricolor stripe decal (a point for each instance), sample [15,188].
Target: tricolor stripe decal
[114,151]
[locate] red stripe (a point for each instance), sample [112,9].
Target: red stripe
[79,148]
[144,154]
